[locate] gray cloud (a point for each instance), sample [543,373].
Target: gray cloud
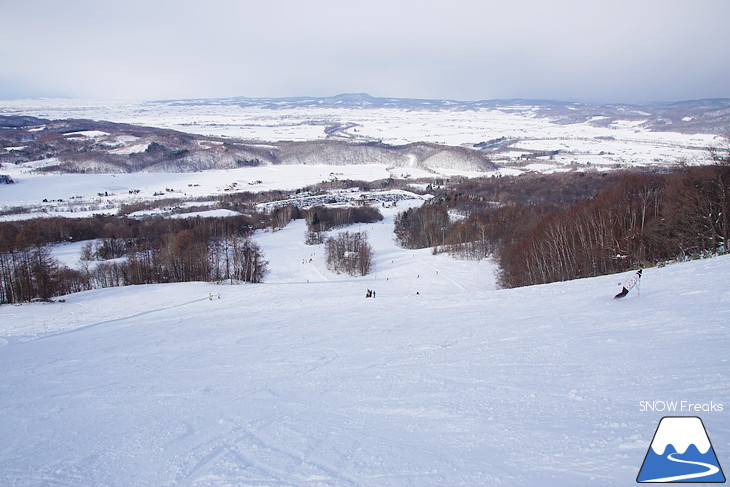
[631,51]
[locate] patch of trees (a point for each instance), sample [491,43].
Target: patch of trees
[321,219]
[494,210]
[337,183]
[153,250]
[641,220]
[281,217]
[611,224]
[349,253]
[422,227]
[19,121]
[183,257]
[31,273]
[491,144]
[125,251]
[86,157]
[617,230]
[549,191]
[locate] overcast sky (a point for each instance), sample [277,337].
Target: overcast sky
[595,51]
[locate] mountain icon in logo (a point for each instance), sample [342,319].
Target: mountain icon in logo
[680,452]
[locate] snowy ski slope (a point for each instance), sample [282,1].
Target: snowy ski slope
[301,381]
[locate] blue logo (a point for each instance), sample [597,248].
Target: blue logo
[680,452]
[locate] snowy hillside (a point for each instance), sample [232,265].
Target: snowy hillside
[606,137]
[440,380]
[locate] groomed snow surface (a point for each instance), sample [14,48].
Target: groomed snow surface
[440,380]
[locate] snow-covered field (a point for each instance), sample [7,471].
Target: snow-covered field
[78,195]
[440,380]
[622,143]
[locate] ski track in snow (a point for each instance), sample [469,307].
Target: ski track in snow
[301,381]
[130,317]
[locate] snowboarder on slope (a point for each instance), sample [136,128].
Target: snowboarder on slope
[628,284]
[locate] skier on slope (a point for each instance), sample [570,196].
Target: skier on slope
[628,284]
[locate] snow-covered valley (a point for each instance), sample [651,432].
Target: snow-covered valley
[441,379]
[288,145]
[602,136]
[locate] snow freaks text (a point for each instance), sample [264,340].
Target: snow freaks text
[680,407]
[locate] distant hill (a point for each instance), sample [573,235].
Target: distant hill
[709,116]
[88,146]
[96,146]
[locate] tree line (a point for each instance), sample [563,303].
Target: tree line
[154,250]
[587,225]
[321,219]
[125,251]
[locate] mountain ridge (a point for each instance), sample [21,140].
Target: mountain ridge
[707,115]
